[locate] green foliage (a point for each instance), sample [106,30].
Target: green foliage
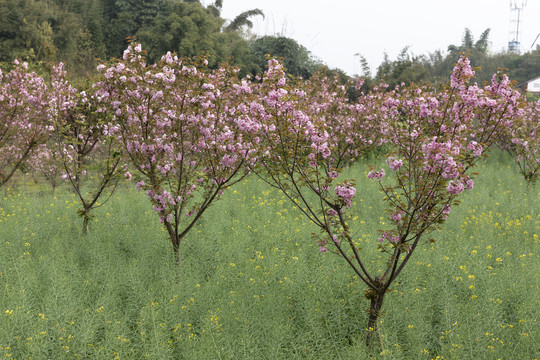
[183,27]
[79,32]
[25,27]
[243,19]
[406,69]
[296,58]
[533,97]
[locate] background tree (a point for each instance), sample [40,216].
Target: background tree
[79,32]
[243,20]
[522,141]
[296,58]
[406,69]
[26,31]
[44,165]
[190,30]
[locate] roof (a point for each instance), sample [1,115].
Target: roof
[524,84]
[533,79]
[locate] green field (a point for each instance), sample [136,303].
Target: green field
[253,284]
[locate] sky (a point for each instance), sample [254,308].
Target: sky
[334,31]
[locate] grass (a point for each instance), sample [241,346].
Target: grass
[255,286]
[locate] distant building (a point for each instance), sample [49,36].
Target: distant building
[531,86]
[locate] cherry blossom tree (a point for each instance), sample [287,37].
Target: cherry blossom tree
[90,156]
[436,137]
[179,125]
[522,141]
[24,100]
[44,165]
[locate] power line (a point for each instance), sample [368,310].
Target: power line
[534,42]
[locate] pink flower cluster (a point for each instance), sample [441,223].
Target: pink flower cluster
[439,157]
[396,217]
[455,187]
[475,148]
[386,236]
[346,193]
[376,175]
[394,164]
[462,73]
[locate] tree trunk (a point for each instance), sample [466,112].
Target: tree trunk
[178,255]
[86,220]
[177,252]
[372,331]
[175,238]
[85,214]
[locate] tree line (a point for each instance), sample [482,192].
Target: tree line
[436,66]
[80,33]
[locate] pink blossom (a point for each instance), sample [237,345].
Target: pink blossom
[396,217]
[376,175]
[346,192]
[455,187]
[140,185]
[462,73]
[333,175]
[389,237]
[394,163]
[475,148]
[332,212]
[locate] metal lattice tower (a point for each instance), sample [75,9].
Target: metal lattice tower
[516,13]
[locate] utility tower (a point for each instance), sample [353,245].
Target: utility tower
[516,13]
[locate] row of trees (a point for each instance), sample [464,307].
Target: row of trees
[187,132]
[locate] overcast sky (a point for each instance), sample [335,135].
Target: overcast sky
[336,30]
